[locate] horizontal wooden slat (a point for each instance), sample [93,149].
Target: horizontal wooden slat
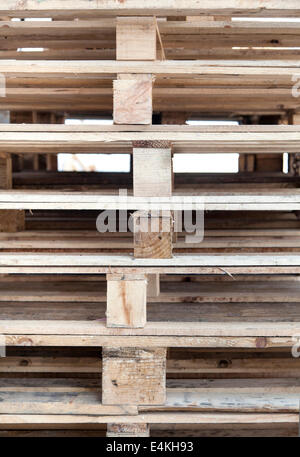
[151,418]
[61,138]
[134,7]
[283,199]
[160,329]
[193,67]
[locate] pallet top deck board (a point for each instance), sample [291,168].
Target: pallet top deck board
[39,138]
[233,68]
[214,93]
[262,419]
[152,329]
[90,8]
[185,295]
[179,261]
[107,26]
[279,399]
[92,241]
[282,199]
[217,334]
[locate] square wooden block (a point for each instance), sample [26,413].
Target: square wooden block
[136,38]
[133,100]
[126,301]
[133,376]
[153,234]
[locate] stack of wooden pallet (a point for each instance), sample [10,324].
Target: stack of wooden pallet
[128,333]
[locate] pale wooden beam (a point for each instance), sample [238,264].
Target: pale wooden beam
[126,300]
[134,376]
[108,8]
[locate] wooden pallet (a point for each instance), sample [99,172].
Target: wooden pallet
[122,334]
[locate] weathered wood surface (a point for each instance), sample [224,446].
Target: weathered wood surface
[88,8]
[136,38]
[262,200]
[133,376]
[234,290]
[61,138]
[126,301]
[132,99]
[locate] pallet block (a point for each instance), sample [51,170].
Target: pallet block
[152,172]
[10,220]
[136,38]
[126,301]
[133,99]
[134,376]
[153,234]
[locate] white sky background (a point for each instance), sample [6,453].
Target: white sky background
[182,163]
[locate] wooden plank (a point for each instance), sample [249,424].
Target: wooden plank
[46,364]
[235,365]
[191,270]
[91,8]
[149,341]
[136,38]
[231,364]
[228,402]
[53,407]
[133,376]
[60,138]
[178,309]
[126,301]
[239,130]
[179,260]
[232,68]
[281,200]
[153,418]
[200,26]
[173,290]
[261,331]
